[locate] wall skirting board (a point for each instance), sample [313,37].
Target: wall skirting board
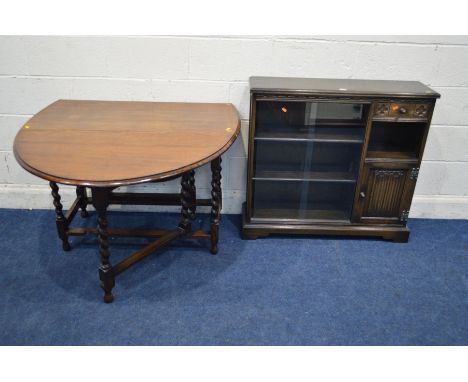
[38,196]
[439,207]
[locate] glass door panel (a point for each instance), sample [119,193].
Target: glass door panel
[301,200]
[307,157]
[307,160]
[310,120]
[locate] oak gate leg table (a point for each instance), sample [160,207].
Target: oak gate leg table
[103,145]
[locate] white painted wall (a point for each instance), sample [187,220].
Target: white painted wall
[35,71]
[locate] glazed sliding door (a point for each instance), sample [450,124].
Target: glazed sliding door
[307,157]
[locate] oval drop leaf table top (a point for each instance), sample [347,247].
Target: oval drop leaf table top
[114,143]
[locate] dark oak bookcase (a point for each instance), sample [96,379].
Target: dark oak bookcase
[330,156]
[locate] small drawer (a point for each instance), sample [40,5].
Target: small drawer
[401,110]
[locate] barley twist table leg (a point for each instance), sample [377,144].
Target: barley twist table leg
[186,201]
[60,220]
[83,200]
[193,195]
[216,200]
[106,273]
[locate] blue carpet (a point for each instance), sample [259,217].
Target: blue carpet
[273,291]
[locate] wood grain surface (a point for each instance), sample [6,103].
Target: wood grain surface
[113,143]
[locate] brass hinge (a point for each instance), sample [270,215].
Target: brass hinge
[404,216]
[414,173]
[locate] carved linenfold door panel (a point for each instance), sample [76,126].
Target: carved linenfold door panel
[384,194]
[385,188]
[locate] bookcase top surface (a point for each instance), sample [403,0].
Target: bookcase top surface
[342,86]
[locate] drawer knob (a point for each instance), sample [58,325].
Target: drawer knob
[362,194]
[403,110]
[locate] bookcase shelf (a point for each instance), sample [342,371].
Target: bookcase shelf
[306,137]
[320,213]
[308,176]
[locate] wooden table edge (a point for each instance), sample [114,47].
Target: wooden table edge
[126,182]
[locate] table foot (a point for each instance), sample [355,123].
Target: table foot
[107,283]
[60,220]
[106,273]
[216,200]
[214,239]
